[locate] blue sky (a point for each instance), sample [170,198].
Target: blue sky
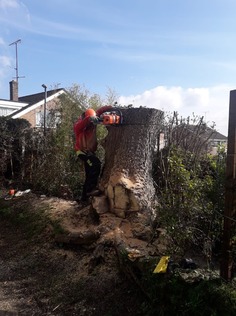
[175,55]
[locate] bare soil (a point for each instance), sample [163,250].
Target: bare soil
[41,276]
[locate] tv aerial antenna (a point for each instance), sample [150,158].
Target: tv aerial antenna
[16,68]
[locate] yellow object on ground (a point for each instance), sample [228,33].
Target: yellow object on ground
[162,265]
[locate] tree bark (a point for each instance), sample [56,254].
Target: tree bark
[127,174]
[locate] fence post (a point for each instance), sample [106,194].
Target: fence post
[226,268]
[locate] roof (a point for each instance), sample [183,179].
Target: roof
[33,100]
[217,135]
[205,131]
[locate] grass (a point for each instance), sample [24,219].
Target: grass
[169,294]
[173,296]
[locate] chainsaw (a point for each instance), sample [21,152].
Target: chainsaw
[113,117]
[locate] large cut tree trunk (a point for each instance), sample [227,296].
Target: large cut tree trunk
[127,175]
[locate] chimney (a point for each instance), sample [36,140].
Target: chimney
[13,90]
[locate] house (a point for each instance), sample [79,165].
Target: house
[30,107]
[199,138]
[217,139]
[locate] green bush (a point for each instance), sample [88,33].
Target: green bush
[173,296]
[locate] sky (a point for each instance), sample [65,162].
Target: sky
[173,55]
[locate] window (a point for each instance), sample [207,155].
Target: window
[5,111]
[39,119]
[52,118]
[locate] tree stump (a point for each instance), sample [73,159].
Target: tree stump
[127,174]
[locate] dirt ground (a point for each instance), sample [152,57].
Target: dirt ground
[40,275]
[58,257]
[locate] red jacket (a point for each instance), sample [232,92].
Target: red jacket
[85,132]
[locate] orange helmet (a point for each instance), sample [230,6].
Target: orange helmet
[90,112]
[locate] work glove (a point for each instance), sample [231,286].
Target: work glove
[95,120]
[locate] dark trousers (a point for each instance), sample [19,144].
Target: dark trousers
[92,166]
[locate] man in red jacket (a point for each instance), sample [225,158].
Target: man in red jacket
[86,146]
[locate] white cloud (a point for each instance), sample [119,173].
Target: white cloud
[5,61]
[9,4]
[5,64]
[14,13]
[211,102]
[2,42]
